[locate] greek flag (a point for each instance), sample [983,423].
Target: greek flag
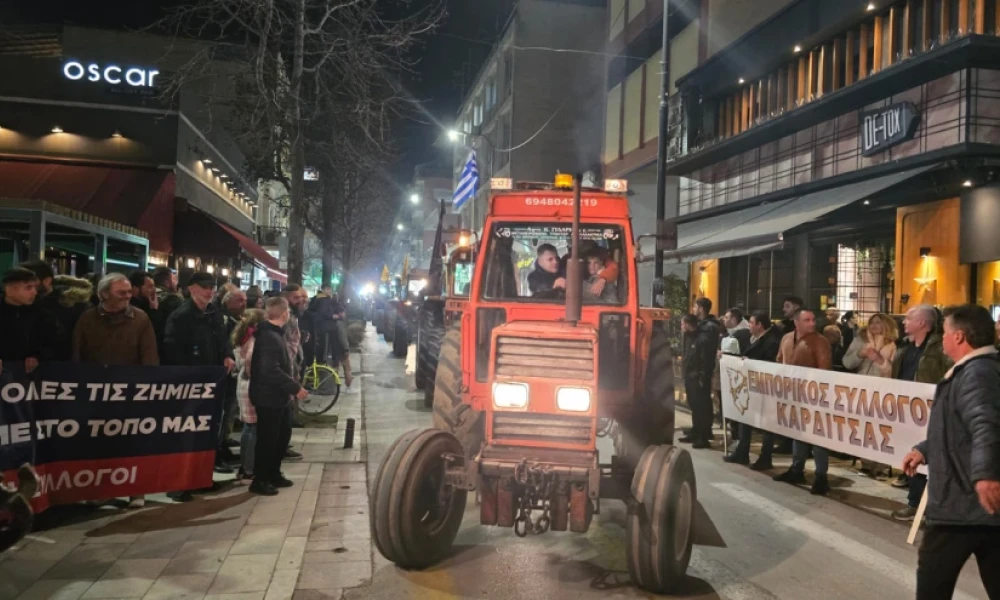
[468,183]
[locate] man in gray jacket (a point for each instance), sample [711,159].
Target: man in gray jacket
[962,453]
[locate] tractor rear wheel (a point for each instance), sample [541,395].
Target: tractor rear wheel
[661,519]
[379,319]
[415,515]
[390,324]
[401,339]
[430,330]
[450,413]
[652,420]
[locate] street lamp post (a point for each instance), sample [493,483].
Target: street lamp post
[661,151]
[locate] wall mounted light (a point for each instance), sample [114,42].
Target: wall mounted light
[210,269]
[57,129]
[867,202]
[207,161]
[967,183]
[190,263]
[797,49]
[225,272]
[239,274]
[116,134]
[741,81]
[871,6]
[925,251]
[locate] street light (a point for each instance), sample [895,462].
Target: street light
[415,198]
[453,135]
[399,227]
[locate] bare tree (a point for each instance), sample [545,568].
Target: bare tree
[294,64]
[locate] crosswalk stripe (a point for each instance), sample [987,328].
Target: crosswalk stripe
[864,555]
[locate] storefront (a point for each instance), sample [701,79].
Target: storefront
[855,173]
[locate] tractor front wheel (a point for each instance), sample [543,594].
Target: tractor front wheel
[415,514]
[450,413]
[661,519]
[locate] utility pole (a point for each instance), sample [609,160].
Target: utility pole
[661,154]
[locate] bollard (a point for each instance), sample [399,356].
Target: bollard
[349,434]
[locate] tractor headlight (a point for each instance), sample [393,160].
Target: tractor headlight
[510,395]
[573,399]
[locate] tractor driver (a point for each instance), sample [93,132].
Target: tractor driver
[548,274]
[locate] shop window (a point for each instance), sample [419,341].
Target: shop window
[862,278]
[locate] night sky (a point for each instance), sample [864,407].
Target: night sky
[446,60]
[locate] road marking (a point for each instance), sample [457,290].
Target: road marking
[841,544]
[725,582]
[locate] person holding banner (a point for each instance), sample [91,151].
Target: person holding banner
[272,387]
[804,347]
[116,333]
[922,360]
[765,339]
[962,454]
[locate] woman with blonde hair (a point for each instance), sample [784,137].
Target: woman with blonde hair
[243,343]
[871,353]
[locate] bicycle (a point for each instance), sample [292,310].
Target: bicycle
[323,381]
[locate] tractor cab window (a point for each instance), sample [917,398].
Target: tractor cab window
[529,262]
[462,280]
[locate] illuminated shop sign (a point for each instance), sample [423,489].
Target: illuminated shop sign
[883,128]
[114,74]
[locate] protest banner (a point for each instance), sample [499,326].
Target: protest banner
[96,432]
[874,418]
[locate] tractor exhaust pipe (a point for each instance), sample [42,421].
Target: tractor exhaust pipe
[574,285]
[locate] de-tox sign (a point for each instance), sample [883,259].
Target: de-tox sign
[883,128]
[115,75]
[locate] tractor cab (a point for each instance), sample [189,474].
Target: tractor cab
[550,352]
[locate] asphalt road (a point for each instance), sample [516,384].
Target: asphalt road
[755,539]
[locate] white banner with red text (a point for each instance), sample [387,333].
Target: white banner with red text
[874,418]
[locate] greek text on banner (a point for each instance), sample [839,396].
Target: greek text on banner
[873,418]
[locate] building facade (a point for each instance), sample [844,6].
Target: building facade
[853,165]
[530,112]
[86,126]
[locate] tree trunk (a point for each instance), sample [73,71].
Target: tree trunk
[327,242]
[297,213]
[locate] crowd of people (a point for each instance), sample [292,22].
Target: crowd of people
[149,319]
[955,350]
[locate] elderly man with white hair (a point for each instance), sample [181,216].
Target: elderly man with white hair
[115,333]
[921,359]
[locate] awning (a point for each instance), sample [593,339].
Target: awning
[253,249]
[762,228]
[141,198]
[198,234]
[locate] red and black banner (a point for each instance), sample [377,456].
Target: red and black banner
[96,432]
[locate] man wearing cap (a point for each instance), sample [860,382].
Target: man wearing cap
[195,335]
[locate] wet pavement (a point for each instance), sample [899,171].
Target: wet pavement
[755,539]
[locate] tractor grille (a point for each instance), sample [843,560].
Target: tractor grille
[529,427]
[563,359]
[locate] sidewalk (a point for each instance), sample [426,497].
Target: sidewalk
[309,542]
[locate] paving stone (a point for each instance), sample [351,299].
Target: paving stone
[18,575]
[180,587]
[199,557]
[247,573]
[260,539]
[335,576]
[291,553]
[89,561]
[127,578]
[282,585]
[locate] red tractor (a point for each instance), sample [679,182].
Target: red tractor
[550,352]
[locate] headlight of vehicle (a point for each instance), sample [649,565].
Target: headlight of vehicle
[573,399]
[510,395]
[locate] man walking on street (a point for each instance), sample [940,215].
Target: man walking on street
[962,454]
[116,333]
[921,359]
[804,347]
[195,335]
[701,340]
[765,341]
[272,387]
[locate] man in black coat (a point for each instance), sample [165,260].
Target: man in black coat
[25,334]
[272,386]
[701,342]
[549,273]
[195,335]
[765,340]
[962,454]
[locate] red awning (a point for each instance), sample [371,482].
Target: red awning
[142,198]
[253,248]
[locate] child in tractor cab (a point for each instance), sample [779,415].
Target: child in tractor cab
[600,285]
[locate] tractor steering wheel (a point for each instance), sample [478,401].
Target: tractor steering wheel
[553,294]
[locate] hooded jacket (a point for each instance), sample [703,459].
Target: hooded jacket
[69,299]
[963,441]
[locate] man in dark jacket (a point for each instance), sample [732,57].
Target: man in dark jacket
[53,313]
[195,335]
[765,340]
[701,341]
[548,274]
[24,334]
[272,386]
[962,453]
